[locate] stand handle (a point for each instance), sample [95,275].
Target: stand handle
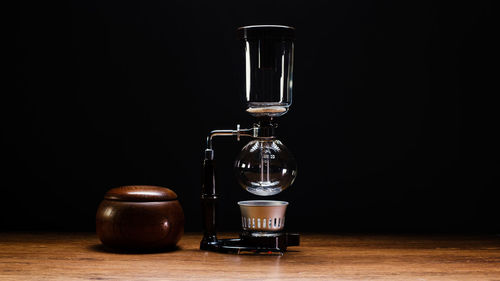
[208,195]
[208,201]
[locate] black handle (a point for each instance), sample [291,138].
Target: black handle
[208,203]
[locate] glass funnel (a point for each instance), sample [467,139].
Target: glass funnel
[268,68]
[265,167]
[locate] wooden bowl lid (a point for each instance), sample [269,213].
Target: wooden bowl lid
[140,193]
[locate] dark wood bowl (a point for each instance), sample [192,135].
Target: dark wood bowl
[140,218]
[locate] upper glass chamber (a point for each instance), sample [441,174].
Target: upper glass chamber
[268,68]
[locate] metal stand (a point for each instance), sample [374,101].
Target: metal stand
[277,243]
[272,242]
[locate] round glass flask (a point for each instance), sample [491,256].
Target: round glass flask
[265,167]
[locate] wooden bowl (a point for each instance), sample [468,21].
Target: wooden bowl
[140,218]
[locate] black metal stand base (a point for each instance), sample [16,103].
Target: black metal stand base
[271,243]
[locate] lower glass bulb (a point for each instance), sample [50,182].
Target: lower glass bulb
[265,167]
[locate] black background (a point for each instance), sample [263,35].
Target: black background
[393,123]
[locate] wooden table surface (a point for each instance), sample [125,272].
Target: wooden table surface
[60,256]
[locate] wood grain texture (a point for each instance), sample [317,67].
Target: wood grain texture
[320,257]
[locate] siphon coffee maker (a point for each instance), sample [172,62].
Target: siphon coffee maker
[264,166]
